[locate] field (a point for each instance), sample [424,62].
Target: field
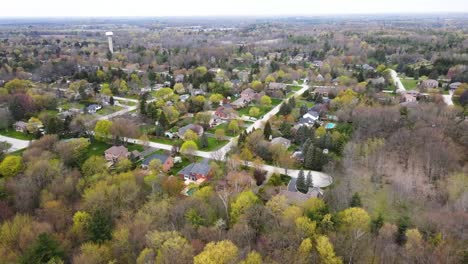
[213,144]
[263,110]
[15,134]
[410,84]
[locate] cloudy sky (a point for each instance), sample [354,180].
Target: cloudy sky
[66,8]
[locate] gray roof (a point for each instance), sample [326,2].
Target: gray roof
[202,168]
[160,157]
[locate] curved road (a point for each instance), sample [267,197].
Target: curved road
[320,179]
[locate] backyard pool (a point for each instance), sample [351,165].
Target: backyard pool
[330,125]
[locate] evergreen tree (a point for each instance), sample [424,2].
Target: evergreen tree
[309,158]
[100,227]
[292,102]
[111,100]
[204,141]
[355,200]
[163,122]
[44,249]
[301,135]
[267,131]
[303,110]
[403,224]
[143,99]
[309,181]
[301,183]
[377,223]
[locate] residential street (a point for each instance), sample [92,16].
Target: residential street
[16,144]
[319,179]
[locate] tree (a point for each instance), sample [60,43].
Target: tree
[188,147]
[244,201]
[355,200]
[72,151]
[326,251]
[309,181]
[254,111]
[233,126]
[267,132]
[223,252]
[203,118]
[265,100]
[257,85]
[44,249]
[216,98]
[93,165]
[123,128]
[100,227]
[190,135]
[81,224]
[301,183]
[102,129]
[163,120]
[111,100]
[11,166]
[5,118]
[21,106]
[204,141]
[219,134]
[123,165]
[252,258]
[18,86]
[143,103]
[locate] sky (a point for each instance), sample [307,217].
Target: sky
[164,8]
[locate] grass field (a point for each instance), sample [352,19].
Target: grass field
[15,134]
[213,144]
[68,105]
[263,110]
[109,109]
[410,84]
[164,140]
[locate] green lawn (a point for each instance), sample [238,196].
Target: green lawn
[69,105]
[304,102]
[296,88]
[263,110]
[164,140]
[213,144]
[15,134]
[276,101]
[410,84]
[109,109]
[226,132]
[97,148]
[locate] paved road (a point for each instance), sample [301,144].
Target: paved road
[448,98]
[16,144]
[319,179]
[399,85]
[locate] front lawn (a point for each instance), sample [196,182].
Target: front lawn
[214,144]
[70,105]
[15,134]
[224,126]
[179,166]
[410,84]
[106,110]
[97,148]
[164,140]
[263,110]
[296,88]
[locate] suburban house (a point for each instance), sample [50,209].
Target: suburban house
[317,63]
[179,78]
[319,78]
[166,161]
[246,97]
[281,141]
[92,109]
[309,118]
[454,86]
[196,171]
[116,153]
[21,126]
[194,127]
[226,112]
[408,98]
[427,84]
[275,89]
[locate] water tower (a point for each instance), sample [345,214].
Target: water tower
[109,38]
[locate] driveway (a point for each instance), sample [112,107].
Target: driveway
[448,98]
[16,144]
[398,83]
